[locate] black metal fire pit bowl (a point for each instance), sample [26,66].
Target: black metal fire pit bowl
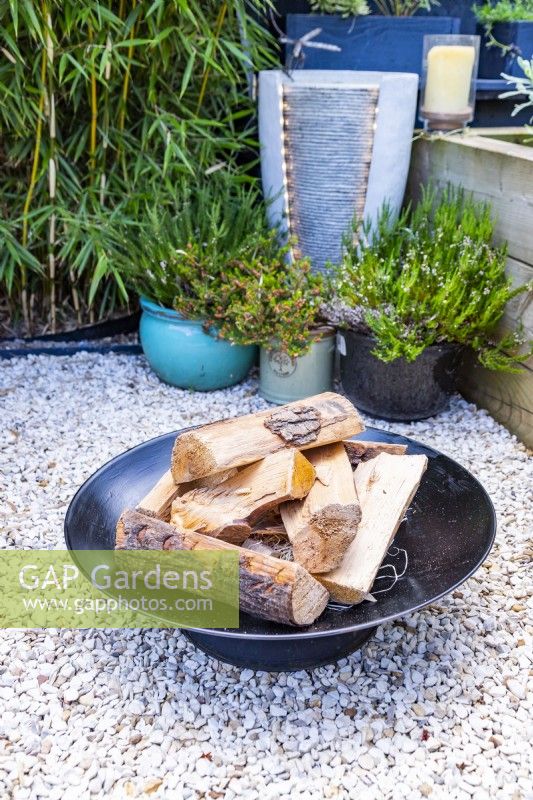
[448,532]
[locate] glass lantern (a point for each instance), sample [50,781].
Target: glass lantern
[448,91]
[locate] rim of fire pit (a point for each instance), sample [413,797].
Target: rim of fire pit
[284,631]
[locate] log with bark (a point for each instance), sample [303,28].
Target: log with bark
[280,591]
[229,511]
[385,485]
[359,450]
[322,525]
[316,421]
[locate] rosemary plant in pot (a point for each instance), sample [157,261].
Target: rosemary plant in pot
[413,294]
[179,259]
[277,306]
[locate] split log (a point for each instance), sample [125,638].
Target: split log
[363,478]
[359,451]
[318,420]
[280,591]
[387,485]
[158,501]
[209,482]
[322,526]
[230,510]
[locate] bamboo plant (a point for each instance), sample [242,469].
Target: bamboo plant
[105,104]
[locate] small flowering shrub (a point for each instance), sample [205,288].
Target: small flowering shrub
[263,299]
[431,276]
[215,259]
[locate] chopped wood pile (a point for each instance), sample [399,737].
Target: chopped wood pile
[292,473]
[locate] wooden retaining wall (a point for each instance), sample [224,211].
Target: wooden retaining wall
[500,170]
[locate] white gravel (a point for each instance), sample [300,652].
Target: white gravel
[436,705]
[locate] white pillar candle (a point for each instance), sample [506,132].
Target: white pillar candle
[449,73]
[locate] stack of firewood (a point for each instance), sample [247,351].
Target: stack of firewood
[338,501]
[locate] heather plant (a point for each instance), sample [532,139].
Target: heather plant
[264,300]
[428,277]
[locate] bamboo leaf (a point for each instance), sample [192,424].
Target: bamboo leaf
[187,73]
[99,272]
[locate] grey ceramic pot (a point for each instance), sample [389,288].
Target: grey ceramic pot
[399,390]
[283,379]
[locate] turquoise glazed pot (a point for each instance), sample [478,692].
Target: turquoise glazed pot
[181,353]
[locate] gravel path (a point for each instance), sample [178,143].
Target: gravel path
[435,706]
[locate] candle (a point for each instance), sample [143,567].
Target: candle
[449,73]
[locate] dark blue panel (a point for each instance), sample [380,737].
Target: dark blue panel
[455,8]
[494,60]
[392,44]
[464,9]
[497,114]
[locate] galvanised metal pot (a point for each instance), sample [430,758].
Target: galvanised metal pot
[181,352]
[398,390]
[283,378]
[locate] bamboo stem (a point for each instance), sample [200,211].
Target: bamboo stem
[94,118]
[75,295]
[125,86]
[94,115]
[105,140]
[218,28]
[52,167]
[31,187]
